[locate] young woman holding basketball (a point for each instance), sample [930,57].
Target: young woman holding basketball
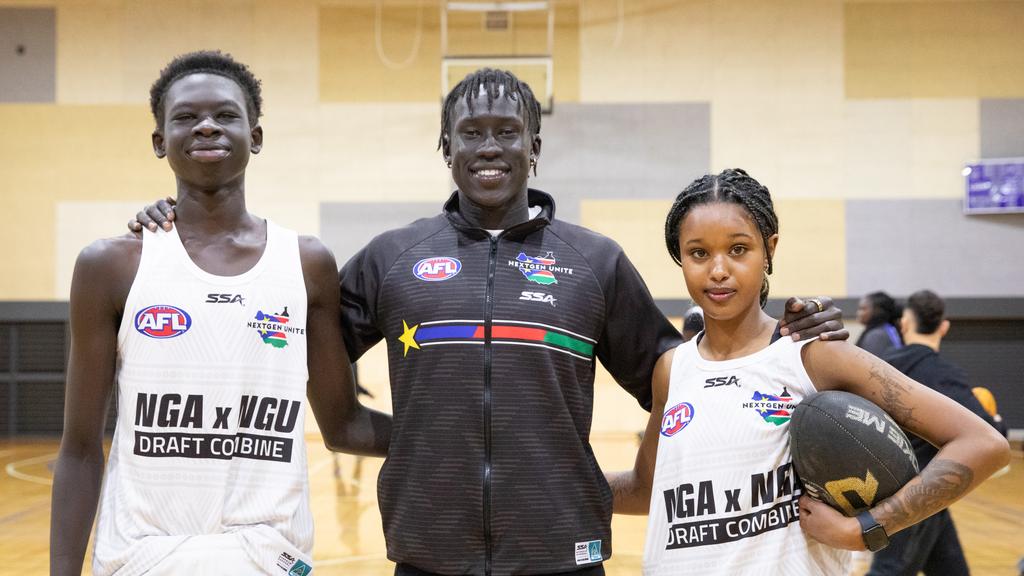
[723,497]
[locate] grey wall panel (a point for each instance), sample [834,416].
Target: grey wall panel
[603,151]
[1002,128]
[901,246]
[347,227]
[28,55]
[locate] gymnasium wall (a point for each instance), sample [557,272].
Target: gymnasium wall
[857,115]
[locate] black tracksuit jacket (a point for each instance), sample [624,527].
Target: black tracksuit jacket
[492,344]
[926,366]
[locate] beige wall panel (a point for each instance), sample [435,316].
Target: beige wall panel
[78,224]
[657,52]
[90,46]
[638,226]
[111,52]
[381,153]
[934,49]
[289,164]
[777,99]
[811,257]
[783,49]
[286,52]
[793,145]
[694,50]
[908,148]
[66,153]
[26,232]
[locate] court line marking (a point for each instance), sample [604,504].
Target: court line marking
[12,469]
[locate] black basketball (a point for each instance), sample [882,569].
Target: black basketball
[848,452]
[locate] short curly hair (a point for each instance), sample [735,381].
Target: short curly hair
[207,62]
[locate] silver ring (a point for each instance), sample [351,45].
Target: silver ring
[817,303]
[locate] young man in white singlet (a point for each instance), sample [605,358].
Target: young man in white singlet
[714,470]
[215,333]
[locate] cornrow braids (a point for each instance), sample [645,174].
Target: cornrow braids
[732,185]
[497,83]
[207,62]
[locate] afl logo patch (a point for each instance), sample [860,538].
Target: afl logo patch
[162,321]
[676,419]
[436,269]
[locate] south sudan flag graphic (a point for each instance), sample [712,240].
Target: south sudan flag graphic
[275,338]
[503,332]
[540,275]
[774,409]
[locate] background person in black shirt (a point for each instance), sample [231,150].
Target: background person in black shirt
[931,546]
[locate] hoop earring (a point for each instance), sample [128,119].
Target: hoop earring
[765,286]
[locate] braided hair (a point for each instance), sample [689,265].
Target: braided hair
[733,185]
[497,83]
[884,310]
[207,62]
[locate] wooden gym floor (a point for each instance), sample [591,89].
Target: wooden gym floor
[348,528]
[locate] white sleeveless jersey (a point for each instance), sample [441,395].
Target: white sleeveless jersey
[211,388]
[724,498]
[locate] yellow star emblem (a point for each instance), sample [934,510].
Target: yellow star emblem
[408,337]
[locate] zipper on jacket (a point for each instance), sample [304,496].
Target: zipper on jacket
[488,320]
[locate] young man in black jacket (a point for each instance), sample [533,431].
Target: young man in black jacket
[932,545]
[494,312]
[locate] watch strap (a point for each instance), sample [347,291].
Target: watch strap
[872,532]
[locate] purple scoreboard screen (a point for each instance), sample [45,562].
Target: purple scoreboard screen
[994,186]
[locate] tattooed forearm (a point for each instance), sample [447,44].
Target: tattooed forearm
[892,395]
[942,482]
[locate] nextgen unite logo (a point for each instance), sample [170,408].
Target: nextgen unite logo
[162,321]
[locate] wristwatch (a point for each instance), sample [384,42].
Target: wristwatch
[873,533]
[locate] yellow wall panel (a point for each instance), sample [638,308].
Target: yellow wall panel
[351,69]
[660,50]
[810,259]
[645,51]
[57,153]
[934,49]
[638,226]
[110,52]
[392,52]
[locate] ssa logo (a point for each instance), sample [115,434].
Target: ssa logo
[162,321]
[436,269]
[225,299]
[676,418]
[537,297]
[722,381]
